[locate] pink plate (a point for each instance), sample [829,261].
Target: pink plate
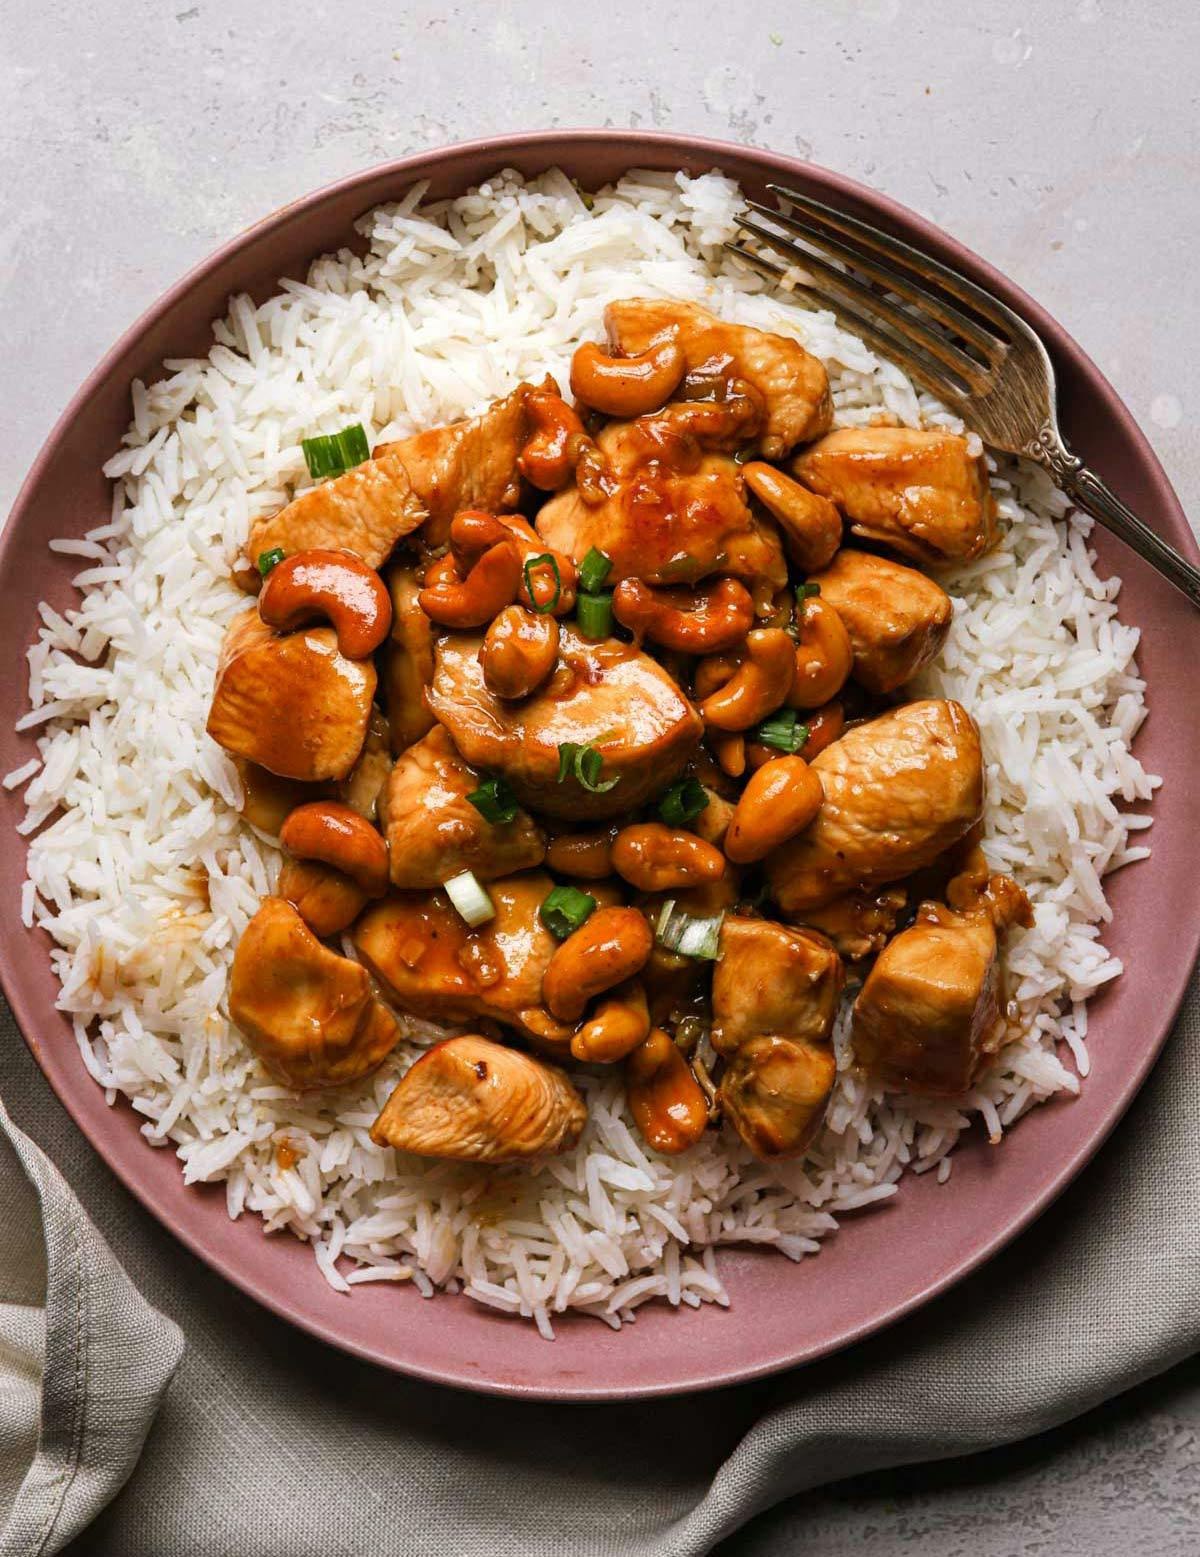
[882,1264]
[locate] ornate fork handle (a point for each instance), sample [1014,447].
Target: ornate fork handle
[1099,500]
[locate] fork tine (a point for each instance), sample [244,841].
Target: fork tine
[911,358]
[1003,320]
[966,371]
[887,275]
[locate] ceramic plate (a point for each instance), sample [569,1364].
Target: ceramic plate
[882,1264]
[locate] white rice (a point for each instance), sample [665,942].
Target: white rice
[145,876]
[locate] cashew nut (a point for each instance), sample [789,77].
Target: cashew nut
[586,856]
[549,458]
[472,532]
[491,585]
[328,831]
[610,947]
[441,571]
[781,799]
[627,386]
[664,1097]
[519,651]
[758,686]
[326,899]
[336,586]
[619,1023]
[711,673]
[811,524]
[729,750]
[704,620]
[824,727]
[824,656]
[656,858]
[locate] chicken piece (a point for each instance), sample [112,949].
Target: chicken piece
[792,383]
[433,830]
[769,979]
[363,790]
[608,694]
[928,1014]
[467,464]
[897,618]
[406,665]
[898,791]
[437,967]
[860,923]
[365,511]
[290,702]
[667,511]
[775,1093]
[307,1013]
[921,492]
[476,1101]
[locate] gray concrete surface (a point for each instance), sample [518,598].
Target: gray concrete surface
[1058,137]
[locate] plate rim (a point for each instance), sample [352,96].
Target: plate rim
[684,149]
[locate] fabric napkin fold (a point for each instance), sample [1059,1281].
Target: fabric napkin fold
[270,1444]
[84,1359]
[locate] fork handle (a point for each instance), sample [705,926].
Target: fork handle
[1099,500]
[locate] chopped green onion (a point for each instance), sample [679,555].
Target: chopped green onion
[494,801]
[687,934]
[332,453]
[594,615]
[782,731]
[584,762]
[270,559]
[682,802]
[469,898]
[535,562]
[565,909]
[593,570]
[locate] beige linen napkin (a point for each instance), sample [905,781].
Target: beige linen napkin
[84,1359]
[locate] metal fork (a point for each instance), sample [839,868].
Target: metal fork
[966,346]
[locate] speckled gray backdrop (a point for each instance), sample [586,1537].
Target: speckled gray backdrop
[1060,138]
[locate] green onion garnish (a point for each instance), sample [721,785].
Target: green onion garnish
[330,454]
[594,615]
[688,935]
[469,898]
[806,592]
[682,802]
[584,762]
[593,570]
[782,731]
[534,562]
[270,559]
[565,909]
[494,801]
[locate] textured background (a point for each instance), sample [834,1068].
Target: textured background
[1058,138]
